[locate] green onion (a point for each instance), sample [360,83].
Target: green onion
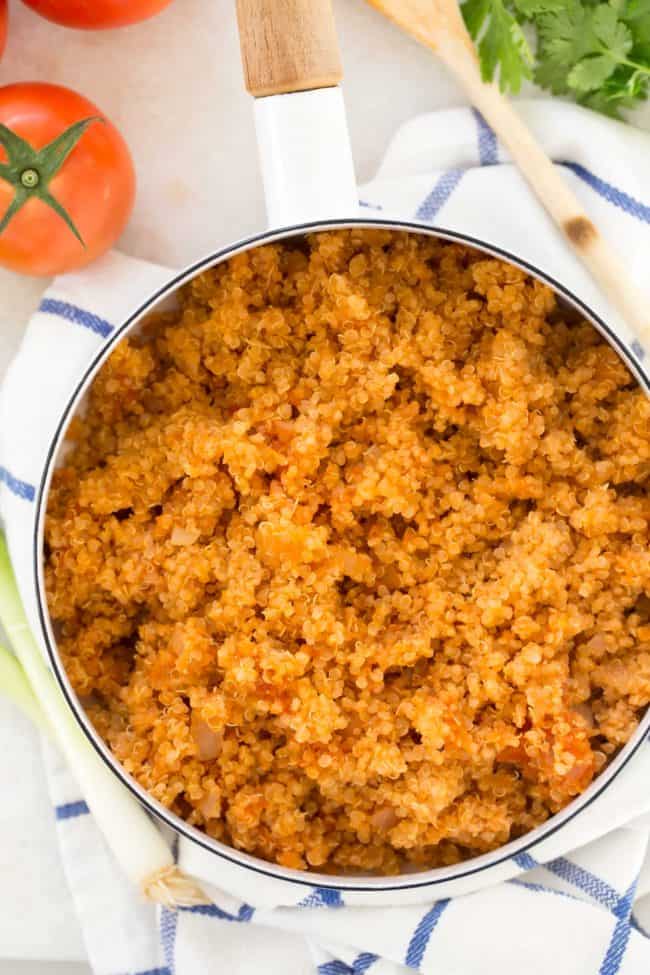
[14,685]
[135,841]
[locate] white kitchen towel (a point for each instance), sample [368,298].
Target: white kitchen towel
[581,912]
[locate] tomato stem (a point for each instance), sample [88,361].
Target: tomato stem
[30,178]
[31,170]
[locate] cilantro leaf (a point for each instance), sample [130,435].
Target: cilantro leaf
[590,73]
[600,101]
[503,49]
[474,13]
[613,34]
[611,98]
[597,51]
[636,15]
[503,44]
[552,76]
[531,8]
[631,10]
[565,35]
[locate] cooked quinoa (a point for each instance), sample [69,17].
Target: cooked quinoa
[349,556]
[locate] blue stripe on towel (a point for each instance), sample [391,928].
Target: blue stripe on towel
[334,968]
[155,971]
[577,876]
[359,966]
[422,934]
[600,891]
[168,932]
[322,897]
[363,962]
[245,912]
[525,861]
[609,192]
[20,488]
[72,313]
[585,881]
[621,934]
[71,810]
[369,206]
[439,194]
[487,140]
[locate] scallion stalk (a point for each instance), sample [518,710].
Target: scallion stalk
[135,841]
[14,685]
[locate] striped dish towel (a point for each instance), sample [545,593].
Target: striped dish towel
[578,903]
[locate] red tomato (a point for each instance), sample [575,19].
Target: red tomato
[3,25]
[94,184]
[95,14]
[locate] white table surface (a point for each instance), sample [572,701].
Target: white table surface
[174,88]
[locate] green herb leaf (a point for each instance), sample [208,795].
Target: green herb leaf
[516,60]
[597,51]
[552,75]
[532,8]
[503,49]
[614,35]
[590,73]
[565,35]
[610,99]
[635,13]
[474,13]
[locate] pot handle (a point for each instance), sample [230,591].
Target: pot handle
[292,68]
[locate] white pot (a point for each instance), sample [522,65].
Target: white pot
[310,186]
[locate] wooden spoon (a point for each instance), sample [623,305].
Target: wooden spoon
[438,24]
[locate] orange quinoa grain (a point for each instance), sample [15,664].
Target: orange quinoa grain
[349,558]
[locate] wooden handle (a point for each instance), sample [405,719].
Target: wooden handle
[288,45]
[552,190]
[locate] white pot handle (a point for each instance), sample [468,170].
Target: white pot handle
[292,68]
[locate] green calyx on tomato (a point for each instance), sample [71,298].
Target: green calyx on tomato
[30,170]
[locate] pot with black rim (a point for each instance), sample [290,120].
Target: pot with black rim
[292,68]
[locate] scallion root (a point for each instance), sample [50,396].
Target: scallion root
[173,888]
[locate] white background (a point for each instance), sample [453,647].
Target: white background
[174,88]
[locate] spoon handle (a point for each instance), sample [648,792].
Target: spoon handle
[438,25]
[547,182]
